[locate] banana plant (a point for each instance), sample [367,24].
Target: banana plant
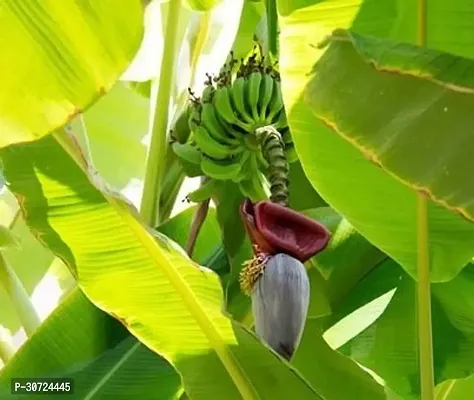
[238,199]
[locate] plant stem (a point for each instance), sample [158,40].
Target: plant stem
[198,221]
[425,341]
[422,23]
[272,27]
[19,297]
[7,350]
[161,92]
[171,185]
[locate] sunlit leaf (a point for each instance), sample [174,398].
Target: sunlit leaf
[416,128]
[64,55]
[202,5]
[114,128]
[376,204]
[80,341]
[335,376]
[129,273]
[389,345]
[7,238]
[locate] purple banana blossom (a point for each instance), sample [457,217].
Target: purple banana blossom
[276,278]
[275,229]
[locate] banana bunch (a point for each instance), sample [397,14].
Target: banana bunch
[245,96]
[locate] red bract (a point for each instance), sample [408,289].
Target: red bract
[274,229]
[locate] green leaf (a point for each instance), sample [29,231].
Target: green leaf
[236,244]
[166,301]
[202,5]
[66,55]
[80,341]
[389,345]
[252,13]
[415,126]
[376,204]
[335,376]
[346,259]
[104,373]
[114,128]
[455,389]
[387,19]
[7,238]
[208,240]
[303,196]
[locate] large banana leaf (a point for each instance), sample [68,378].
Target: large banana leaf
[80,341]
[118,365]
[397,20]
[346,259]
[115,127]
[170,304]
[59,56]
[416,126]
[326,368]
[376,204]
[389,345]
[303,196]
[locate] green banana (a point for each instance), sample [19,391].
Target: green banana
[276,103]
[217,130]
[189,157]
[252,186]
[204,192]
[238,98]
[220,169]
[253,93]
[181,128]
[236,132]
[187,152]
[223,106]
[266,91]
[281,122]
[194,117]
[211,147]
[262,161]
[245,170]
[207,94]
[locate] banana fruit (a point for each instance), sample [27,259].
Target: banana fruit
[223,122]
[204,192]
[221,169]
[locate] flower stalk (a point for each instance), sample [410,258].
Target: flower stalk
[273,149]
[7,350]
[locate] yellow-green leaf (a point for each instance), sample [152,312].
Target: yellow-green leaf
[378,206]
[58,57]
[170,304]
